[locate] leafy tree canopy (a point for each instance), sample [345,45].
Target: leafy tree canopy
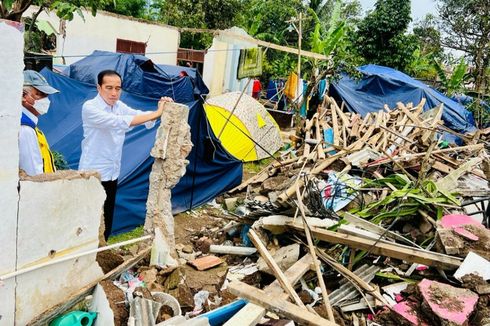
[466,27]
[133,8]
[65,9]
[382,37]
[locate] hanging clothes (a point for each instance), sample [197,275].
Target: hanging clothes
[256,88]
[322,89]
[291,87]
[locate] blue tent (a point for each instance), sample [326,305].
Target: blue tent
[382,85]
[211,170]
[140,75]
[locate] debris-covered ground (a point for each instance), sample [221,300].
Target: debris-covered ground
[379,220]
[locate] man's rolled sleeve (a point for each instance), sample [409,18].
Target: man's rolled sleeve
[127,110]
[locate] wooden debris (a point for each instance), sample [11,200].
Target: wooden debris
[388,249]
[264,253]
[277,305]
[252,313]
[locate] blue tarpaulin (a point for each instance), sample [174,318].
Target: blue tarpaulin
[210,172]
[382,85]
[140,75]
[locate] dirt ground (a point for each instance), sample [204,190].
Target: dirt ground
[193,225]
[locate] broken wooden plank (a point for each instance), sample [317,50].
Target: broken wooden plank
[264,253]
[369,226]
[277,305]
[335,124]
[450,182]
[393,250]
[311,248]
[319,138]
[409,157]
[251,314]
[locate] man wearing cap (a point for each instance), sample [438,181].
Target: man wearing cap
[35,157]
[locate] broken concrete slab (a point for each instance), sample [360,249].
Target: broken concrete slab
[456,220]
[450,305]
[285,257]
[278,224]
[474,264]
[455,243]
[59,214]
[409,313]
[231,203]
[210,280]
[168,167]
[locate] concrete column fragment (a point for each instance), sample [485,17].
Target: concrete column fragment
[172,146]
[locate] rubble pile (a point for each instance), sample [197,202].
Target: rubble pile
[390,202]
[380,220]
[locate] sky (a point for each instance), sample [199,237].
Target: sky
[419,7]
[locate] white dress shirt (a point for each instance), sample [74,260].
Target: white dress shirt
[30,159]
[104,130]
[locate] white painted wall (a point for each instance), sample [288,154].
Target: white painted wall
[11,58]
[214,67]
[59,215]
[100,33]
[221,64]
[62,217]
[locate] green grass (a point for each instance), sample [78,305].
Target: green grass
[136,233]
[257,166]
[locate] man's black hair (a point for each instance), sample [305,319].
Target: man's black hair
[108,72]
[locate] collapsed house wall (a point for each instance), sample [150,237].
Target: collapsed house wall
[58,215]
[43,218]
[11,57]
[221,64]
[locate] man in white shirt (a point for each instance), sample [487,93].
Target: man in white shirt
[105,122]
[34,154]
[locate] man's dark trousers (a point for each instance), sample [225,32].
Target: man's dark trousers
[110,188]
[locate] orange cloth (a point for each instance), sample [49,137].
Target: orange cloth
[291,87]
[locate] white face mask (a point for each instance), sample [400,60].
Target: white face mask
[42,105]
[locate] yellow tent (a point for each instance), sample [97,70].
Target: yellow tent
[249,124]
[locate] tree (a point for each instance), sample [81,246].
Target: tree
[267,20]
[466,27]
[382,37]
[454,83]
[133,8]
[210,14]
[332,35]
[429,36]
[13,9]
